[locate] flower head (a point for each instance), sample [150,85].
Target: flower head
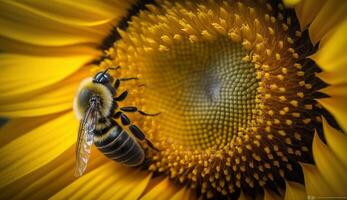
[250,94]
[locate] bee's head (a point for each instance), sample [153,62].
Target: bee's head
[103,78]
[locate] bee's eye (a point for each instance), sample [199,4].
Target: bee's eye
[103,78]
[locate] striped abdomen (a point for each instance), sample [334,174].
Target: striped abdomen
[117,145]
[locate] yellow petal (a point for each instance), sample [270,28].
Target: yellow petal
[19,126]
[337,142]
[242,196]
[336,103]
[329,166]
[54,99]
[294,191]
[36,148]
[332,78]
[23,74]
[184,194]
[315,183]
[21,23]
[17,47]
[307,10]
[105,182]
[77,13]
[133,186]
[135,192]
[44,182]
[269,195]
[164,190]
[291,3]
[330,15]
[51,178]
[57,23]
[47,32]
[331,55]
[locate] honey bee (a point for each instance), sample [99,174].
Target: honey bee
[96,107]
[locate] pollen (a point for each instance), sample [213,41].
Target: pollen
[232,92]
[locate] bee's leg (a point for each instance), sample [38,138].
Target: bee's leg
[139,135]
[128,79]
[128,109]
[121,97]
[134,129]
[148,114]
[115,68]
[117,115]
[116,84]
[134,109]
[114,106]
[124,119]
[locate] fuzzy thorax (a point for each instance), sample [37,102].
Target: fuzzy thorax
[86,90]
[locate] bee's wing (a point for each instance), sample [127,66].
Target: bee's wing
[85,139]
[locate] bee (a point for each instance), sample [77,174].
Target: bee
[96,107]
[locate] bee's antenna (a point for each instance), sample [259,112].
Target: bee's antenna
[112,68]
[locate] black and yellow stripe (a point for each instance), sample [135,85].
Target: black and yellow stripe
[117,145]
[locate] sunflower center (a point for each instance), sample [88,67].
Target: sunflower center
[231,87]
[205,90]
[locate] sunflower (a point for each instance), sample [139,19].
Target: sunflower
[252,97]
